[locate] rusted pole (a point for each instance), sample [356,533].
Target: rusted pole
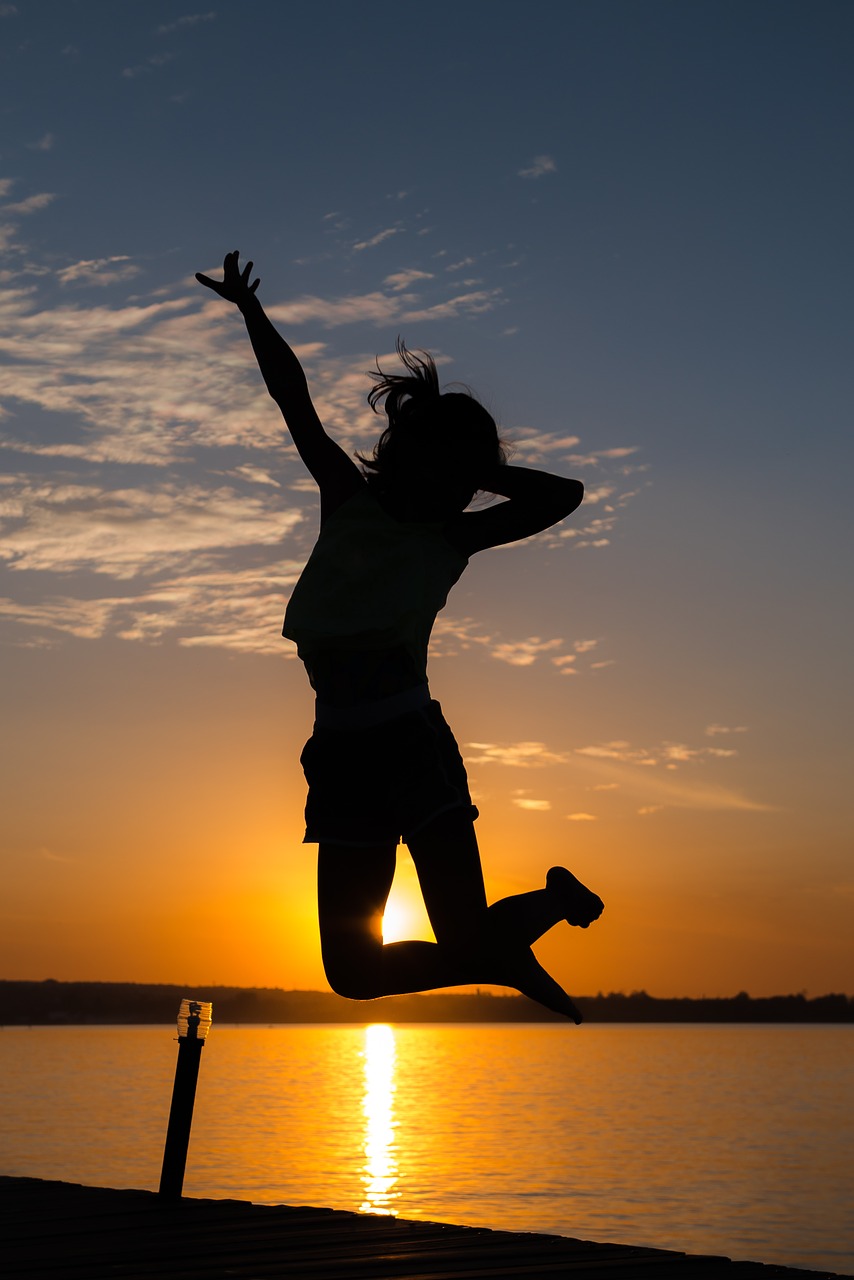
[194,1020]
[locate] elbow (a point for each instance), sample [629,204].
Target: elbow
[573,496]
[353,976]
[562,497]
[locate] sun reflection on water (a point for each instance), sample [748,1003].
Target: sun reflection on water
[379,1172]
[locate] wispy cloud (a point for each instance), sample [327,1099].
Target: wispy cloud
[682,793]
[604,501]
[651,778]
[532,446]
[538,168]
[103,544]
[146,465]
[517,755]
[405,279]
[379,308]
[258,475]
[122,533]
[587,534]
[98,271]
[188,20]
[453,635]
[224,607]
[475,303]
[668,754]
[139,378]
[32,204]
[522,653]
[601,493]
[565,663]
[371,308]
[665,775]
[598,456]
[150,65]
[374,240]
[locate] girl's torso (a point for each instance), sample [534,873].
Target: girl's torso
[363,609]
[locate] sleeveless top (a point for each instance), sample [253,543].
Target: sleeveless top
[363,608]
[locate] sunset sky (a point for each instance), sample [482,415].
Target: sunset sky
[626,225]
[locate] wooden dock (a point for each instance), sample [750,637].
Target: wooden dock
[60,1231]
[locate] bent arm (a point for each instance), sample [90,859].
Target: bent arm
[536,500]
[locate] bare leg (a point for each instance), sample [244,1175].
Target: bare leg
[493,942]
[527,916]
[353,886]
[446,852]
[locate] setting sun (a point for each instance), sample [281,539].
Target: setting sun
[396,922]
[405,917]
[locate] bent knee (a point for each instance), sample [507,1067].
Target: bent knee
[353,986]
[353,977]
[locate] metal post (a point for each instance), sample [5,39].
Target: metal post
[194,1020]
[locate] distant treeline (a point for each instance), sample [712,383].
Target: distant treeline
[58,1003]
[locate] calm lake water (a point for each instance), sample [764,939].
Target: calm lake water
[712,1139]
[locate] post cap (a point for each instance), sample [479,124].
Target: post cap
[194,1019]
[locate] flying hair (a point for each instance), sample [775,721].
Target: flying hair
[420,415]
[403,393]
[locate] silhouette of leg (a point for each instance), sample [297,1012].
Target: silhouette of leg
[529,915]
[353,887]
[491,946]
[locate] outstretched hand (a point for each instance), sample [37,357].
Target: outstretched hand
[234,286]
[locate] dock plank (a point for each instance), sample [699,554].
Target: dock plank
[63,1231]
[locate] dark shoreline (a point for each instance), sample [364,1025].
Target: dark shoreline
[52,1003]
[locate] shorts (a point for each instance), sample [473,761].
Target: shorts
[381,784]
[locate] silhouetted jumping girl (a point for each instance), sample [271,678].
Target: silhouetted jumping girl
[382,765]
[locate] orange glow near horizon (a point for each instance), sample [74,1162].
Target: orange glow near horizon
[179,858]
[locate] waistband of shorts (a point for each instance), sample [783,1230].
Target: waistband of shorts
[364,715]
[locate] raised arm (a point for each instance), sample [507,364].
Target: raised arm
[336,474]
[536,501]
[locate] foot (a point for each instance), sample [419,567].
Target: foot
[527,975]
[579,905]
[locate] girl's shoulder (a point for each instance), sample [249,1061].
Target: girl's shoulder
[333,499]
